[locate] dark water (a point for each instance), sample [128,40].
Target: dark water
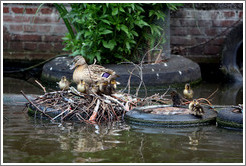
[28,140]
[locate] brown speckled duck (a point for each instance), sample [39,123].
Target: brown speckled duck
[90,73]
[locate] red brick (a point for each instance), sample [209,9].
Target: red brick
[223,23]
[19,37]
[15,28]
[182,40]
[212,50]
[6,37]
[218,41]
[53,38]
[199,50]
[16,46]
[58,47]
[178,31]
[45,47]
[194,31]
[16,19]
[30,46]
[240,14]
[229,14]
[5,45]
[5,9]
[31,10]
[214,31]
[175,22]
[45,19]
[44,28]
[46,10]
[30,28]
[60,29]
[188,23]
[18,9]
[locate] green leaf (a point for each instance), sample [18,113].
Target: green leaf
[124,28]
[115,11]
[111,44]
[98,55]
[122,10]
[105,21]
[128,45]
[141,23]
[106,31]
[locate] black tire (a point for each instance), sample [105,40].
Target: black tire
[228,119]
[137,116]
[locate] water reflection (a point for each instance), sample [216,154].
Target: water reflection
[30,140]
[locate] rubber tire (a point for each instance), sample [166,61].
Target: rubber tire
[137,116]
[228,119]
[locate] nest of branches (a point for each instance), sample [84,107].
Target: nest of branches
[88,108]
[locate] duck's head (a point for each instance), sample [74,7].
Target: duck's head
[82,82]
[187,86]
[114,83]
[78,61]
[64,78]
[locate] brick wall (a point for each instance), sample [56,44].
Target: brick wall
[199,33]
[28,37]
[195,32]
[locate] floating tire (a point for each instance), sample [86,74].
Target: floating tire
[228,119]
[139,116]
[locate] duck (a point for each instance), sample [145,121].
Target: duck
[82,86]
[176,98]
[90,73]
[188,92]
[63,83]
[196,108]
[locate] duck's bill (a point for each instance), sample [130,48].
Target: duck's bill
[72,66]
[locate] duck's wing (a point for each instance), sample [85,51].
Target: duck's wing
[97,69]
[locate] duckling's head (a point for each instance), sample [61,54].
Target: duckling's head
[64,78]
[82,82]
[78,61]
[114,83]
[187,86]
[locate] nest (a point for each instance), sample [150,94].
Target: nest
[88,108]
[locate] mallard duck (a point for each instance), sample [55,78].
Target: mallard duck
[90,73]
[82,86]
[188,92]
[64,83]
[196,108]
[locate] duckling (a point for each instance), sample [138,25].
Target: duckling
[90,73]
[114,84]
[103,87]
[82,86]
[188,92]
[196,108]
[94,88]
[175,98]
[64,83]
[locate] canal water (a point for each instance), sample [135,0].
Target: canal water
[29,140]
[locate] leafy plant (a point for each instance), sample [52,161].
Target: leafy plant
[112,32]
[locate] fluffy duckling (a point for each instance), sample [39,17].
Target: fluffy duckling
[177,100]
[188,92]
[114,84]
[90,73]
[64,83]
[94,88]
[196,108]
[82,86]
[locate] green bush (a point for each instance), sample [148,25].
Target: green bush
[112,32]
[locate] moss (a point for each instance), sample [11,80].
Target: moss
[229,124]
